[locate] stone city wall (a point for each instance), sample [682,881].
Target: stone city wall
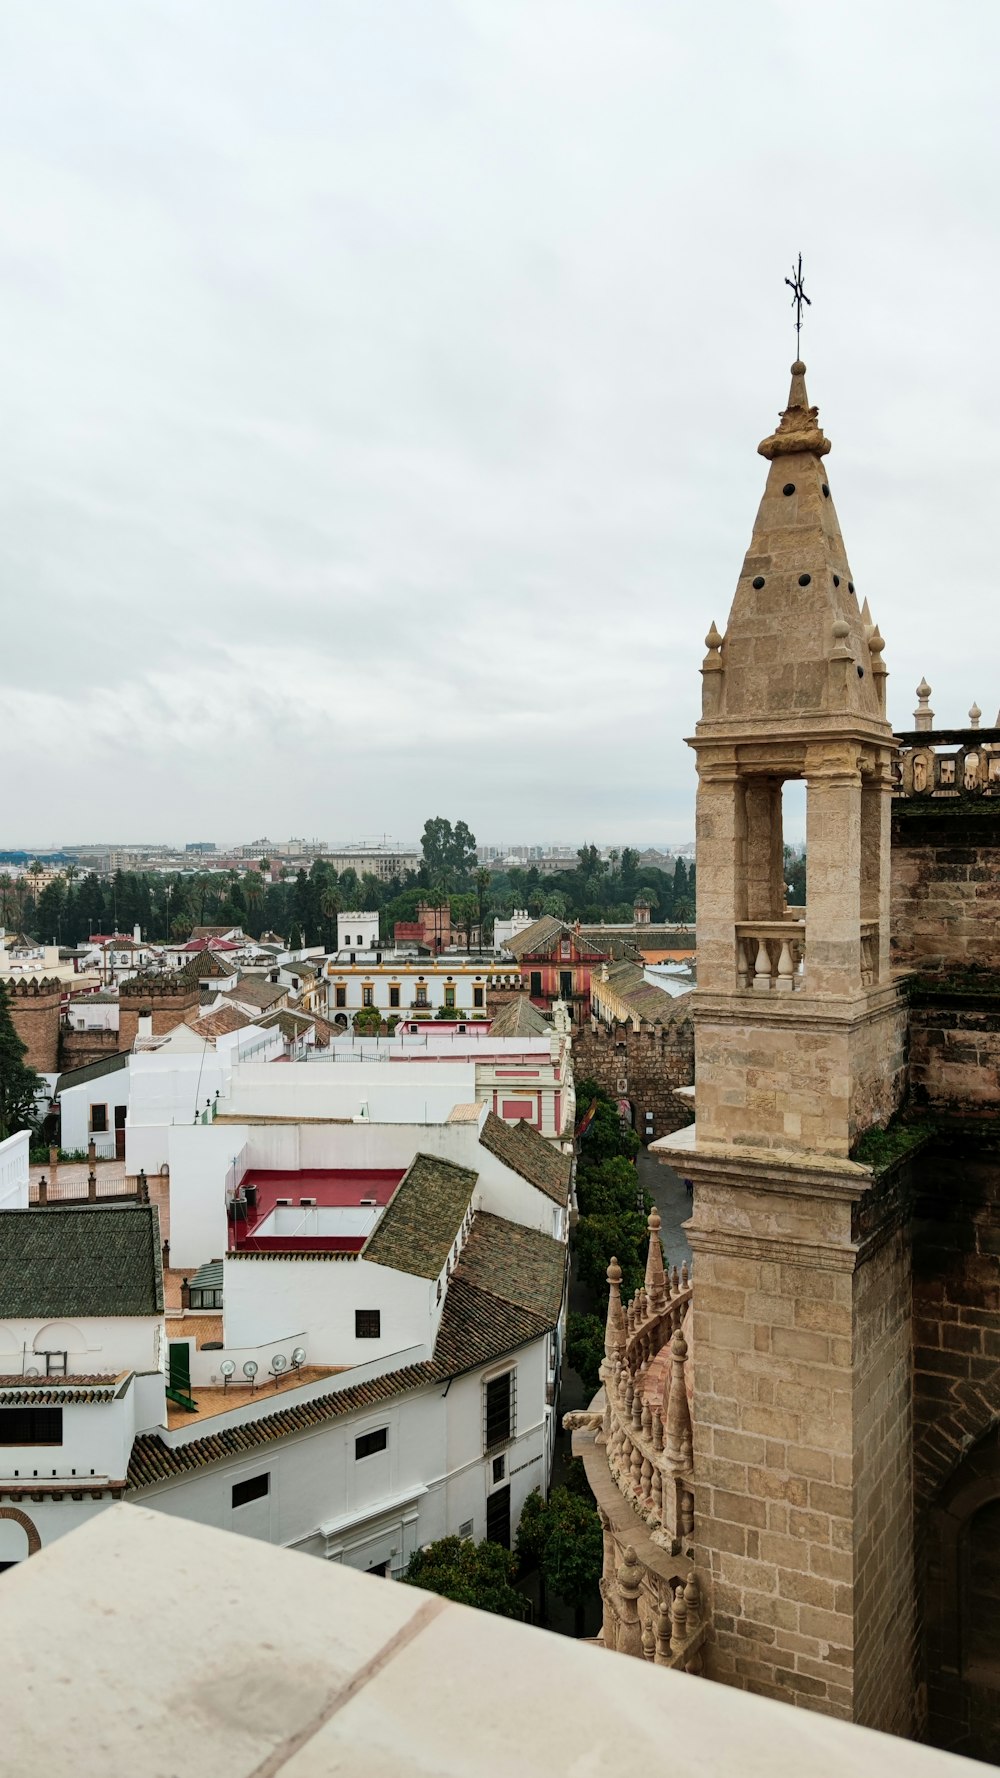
[34,1008]
[643,1066]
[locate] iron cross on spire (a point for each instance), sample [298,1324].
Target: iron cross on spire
[797,287]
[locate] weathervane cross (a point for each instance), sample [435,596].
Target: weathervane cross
[796,286]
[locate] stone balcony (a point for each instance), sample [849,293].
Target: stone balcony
[771,955]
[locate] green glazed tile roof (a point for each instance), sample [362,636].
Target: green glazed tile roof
[85,1260]
[418,1226]
[528,1153]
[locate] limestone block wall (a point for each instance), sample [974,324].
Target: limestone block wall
[798,1079]
[946,885]
[955,1049]
[882,1509]
[651,1061]
[34,1008]
[802,1436]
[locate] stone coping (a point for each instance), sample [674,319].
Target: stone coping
[299,1668]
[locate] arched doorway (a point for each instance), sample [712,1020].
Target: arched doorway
[18,1537]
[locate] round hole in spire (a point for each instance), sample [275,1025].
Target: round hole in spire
[804,579]
[826,492]
[861,672]
[789,488]
[850,586]
[758,581]
[836,580]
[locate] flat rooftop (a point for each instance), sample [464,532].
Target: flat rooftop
[311,1210]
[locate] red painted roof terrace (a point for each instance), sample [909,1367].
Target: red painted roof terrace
[264,1191]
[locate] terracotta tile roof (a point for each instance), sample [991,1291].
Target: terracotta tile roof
[92,1259]
[256,992]
[540,938]
[418,1226]
[37,1391]
[520,1019]
[517,1266]
[656,1005]
[153,1461]
[223,1020]
[528,1153]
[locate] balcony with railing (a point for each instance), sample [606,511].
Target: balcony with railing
[771,954]
[636,1444]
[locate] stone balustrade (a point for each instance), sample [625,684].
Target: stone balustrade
[770,955]
[638,1435]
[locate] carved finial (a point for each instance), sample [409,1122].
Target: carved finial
[692,1599]
[923,715]
[614,1332]
[678,1621]
[866,616]
[655,1284]
[648,1642]
[677,1442]
[974,715]
[880,671]
[713,641]
[798,429]
[663,1626]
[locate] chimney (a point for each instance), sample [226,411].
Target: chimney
[144,1026]
[137,933]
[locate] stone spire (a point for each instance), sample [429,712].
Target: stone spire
[797,642]
[656,1290]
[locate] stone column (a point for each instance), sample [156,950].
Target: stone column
[721,827]
[764,850]
[833,850]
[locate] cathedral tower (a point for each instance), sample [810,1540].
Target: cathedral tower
[801,1300]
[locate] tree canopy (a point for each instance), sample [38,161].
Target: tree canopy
[18,1082]
[479,1574]
[449,853]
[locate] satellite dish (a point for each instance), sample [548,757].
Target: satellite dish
[299,1356]
[227,1367]
[250,1368]
[279,1363]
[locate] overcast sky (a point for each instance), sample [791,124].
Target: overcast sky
[381,380]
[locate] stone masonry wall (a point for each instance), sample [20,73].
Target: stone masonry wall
[801,1440]
[34,1008]
[650,1062]
[946,885]
[883,1493]
[955,1050]
[78,1048]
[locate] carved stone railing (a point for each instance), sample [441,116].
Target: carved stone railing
[671,1636]
[770,955]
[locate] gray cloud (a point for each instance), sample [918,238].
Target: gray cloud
[381,387]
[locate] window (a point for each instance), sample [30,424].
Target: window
[367,1324]
[421,996]
[366,996]
[393,996]
[498,1517]
[449,998]
[98,1119]
[499,1468]
[565,984]
[564,948]
[254,1489]
[340,994]
[206,1299]
[31,1426]
[499,1411]
[536,984]
[370,1442]
[477,997]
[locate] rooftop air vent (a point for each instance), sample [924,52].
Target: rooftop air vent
[308,1201]
[286,1201]
[371,1202]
